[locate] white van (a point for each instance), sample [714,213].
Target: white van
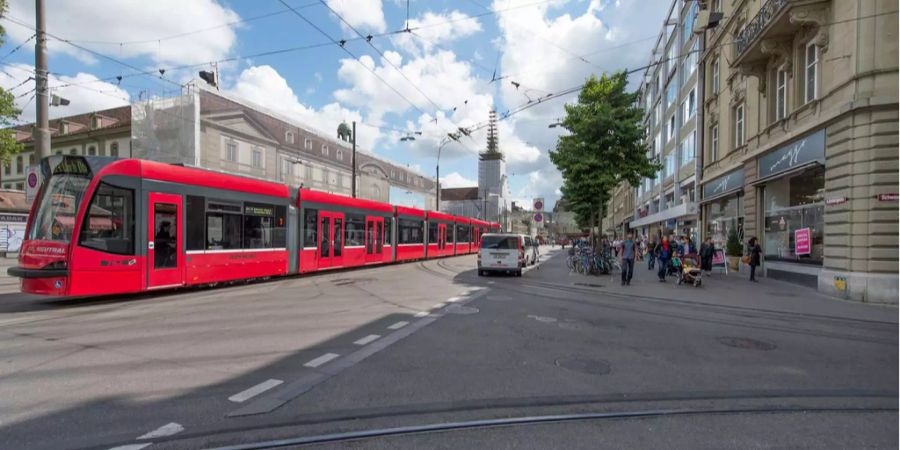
[501,252]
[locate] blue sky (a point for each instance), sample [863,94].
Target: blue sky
[441,70]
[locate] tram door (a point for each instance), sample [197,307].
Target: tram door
[331,239]
[442,236]
[374,238]
[165,260]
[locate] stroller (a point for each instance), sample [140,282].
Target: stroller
[687,270]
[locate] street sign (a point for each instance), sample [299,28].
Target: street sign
[32,182]
[888,197]
[538,204]
[538,217]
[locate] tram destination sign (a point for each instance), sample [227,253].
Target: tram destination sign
[258,210]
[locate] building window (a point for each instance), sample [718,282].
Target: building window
[812,60]
[257,159]
[688,148]
[791,203]
[289,137]
[671,94]
[7,168]
[63,128]
[308,172]
[31,159]
[340,155]
[19,164]
[231,151]
[689,106]
[673,57]
[780,94]
[92,151]
[324,149]
[715,76]
[689,21]
[73,151]
[739,125]
[114,149]
[58,152]
[325,176]
[307,144]
[714,143]
[670,133]
[95,122]
[670,164]
[717,6]
[20,186]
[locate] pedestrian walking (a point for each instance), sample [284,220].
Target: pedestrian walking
[628,253]
[707,251]
[651,254]
[663,252]
[755,255]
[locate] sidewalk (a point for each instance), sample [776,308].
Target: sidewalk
[8,284]
[733,289]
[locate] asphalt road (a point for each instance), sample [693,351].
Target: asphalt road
[429,355]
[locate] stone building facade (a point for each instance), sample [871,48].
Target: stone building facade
[800,148]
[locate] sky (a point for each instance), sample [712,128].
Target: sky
[460,60]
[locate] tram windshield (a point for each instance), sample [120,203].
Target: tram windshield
[55,216]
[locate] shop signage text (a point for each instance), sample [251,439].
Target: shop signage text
[725,183]
[835,201]
[888,197]
[810,148]
[801,242]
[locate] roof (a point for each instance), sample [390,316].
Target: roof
[13,201]
[461,193]
[81,123]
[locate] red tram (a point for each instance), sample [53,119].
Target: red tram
[109,226]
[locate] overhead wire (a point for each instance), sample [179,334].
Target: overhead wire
[17,47]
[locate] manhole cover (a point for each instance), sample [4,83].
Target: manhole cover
[742,342]
[460,309]
[584,365]
[589,285]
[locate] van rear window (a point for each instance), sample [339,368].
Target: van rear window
[500,242]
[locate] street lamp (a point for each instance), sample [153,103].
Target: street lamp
[558,123]
[437,169]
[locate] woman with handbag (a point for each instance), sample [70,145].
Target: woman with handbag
[755,252]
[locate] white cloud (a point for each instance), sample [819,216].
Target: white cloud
[85,95]
[116,21]
[264,86]
[455,179]
[431,29]
[364,15]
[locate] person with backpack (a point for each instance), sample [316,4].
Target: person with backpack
[663,252]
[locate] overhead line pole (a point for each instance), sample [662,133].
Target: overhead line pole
[41,132]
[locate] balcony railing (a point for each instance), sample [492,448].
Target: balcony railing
[759,23]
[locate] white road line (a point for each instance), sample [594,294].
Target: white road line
[367,339]
[163,431]
[438,306]
[419,315]
[132,446]
[321,360]
[398,325]
[255,390]
[453,299]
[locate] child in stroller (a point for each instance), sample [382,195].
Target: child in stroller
[687,270]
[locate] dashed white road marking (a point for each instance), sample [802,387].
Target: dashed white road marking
[321,360]
[421,314]
[543,319]
[163,431]
[438,305]
[255,390]
[398,325]
[367,339]
[131,446]
[453,299]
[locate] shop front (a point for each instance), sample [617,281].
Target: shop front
[791,186]
[723,207]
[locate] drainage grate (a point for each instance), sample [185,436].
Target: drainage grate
[747,343]
[589,285]
[584,365]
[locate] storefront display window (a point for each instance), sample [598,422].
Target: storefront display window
[793,203]
[723,215]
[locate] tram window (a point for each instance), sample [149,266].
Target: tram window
[280,233]
[323,248]
[338,246]
[432,232]
[410,231]
[355,230]
[165,236]
[450,234]
[223,231]
[389,231]
[310,220]
[462,233]
[259,225]
[379,232]
[195,223]
[109,225]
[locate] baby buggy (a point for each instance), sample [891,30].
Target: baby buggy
[687,270]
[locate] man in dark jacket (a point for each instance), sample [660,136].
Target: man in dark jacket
[707,251]
[664,253]
[755,257]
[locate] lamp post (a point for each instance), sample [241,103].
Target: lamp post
[437,169]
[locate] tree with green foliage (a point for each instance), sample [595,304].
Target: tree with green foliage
[733,245]
[8,112]
[604,147]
